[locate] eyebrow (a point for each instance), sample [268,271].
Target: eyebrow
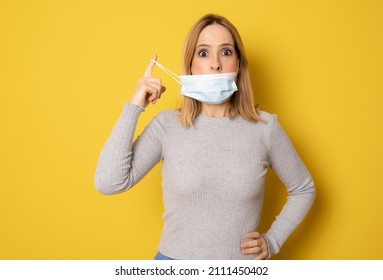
[222,45]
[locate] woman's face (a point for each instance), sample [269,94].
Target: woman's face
[215,52]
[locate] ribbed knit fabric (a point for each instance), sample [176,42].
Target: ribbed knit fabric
[212,179]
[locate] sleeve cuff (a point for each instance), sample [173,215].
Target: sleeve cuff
[272,244]
[134,107]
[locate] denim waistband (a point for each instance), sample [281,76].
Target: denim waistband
[160,256]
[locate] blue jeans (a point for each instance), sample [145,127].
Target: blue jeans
[159,256]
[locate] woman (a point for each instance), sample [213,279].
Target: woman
[215,153]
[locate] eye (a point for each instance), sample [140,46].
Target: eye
[226,52]
[202,53]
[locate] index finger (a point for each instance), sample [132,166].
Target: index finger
[253,234]
[149,69]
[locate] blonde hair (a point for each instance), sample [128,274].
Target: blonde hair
[242,101]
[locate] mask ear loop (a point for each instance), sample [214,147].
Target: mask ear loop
[167,71]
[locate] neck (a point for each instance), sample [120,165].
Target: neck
[215,111]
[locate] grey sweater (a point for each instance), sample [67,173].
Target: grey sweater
[212,179]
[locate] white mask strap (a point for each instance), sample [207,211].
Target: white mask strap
[167,71]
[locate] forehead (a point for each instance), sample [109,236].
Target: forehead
[215,34]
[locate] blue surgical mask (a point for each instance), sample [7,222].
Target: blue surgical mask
[209,88]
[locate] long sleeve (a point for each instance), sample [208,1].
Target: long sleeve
[299,184]
[122,163]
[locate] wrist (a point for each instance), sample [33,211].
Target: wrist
[137,105]
[268,248]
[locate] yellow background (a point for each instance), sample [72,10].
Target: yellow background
[66,67]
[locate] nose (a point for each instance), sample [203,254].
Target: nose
[215,64]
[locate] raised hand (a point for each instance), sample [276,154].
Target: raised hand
[149,89]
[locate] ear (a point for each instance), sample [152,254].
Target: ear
[238,67]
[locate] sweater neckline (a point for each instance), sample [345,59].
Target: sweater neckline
[205,118]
